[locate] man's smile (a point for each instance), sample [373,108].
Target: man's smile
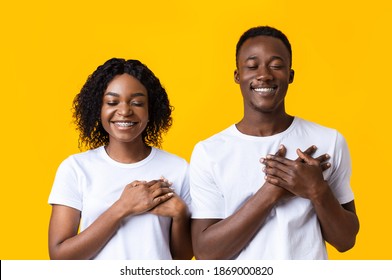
[263,89]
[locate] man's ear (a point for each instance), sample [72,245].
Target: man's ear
[291,78]
[236,76]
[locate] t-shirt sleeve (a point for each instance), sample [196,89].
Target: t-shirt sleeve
[65,189]
[185,193]
[341,171]
[207,200]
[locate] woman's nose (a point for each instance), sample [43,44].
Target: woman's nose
[124,109]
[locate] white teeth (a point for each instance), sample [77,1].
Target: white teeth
[264,89]
[125,124]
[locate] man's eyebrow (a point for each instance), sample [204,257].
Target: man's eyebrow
[254,57]
[277,57]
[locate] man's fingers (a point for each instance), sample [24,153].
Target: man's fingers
[309,151]
[306,158]
[325,166]
[281,151]
[322,161]
[303,156]
[323,158]
[319,161]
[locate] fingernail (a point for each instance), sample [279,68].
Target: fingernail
[269,156]
[327,156]
[163,179]
[262,160]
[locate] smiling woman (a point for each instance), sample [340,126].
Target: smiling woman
[124,116]
[123,182]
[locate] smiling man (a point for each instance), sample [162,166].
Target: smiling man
[262,189]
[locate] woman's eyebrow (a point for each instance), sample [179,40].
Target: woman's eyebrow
[112,94]
[136,94]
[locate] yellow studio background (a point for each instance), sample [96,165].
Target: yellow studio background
[341,55]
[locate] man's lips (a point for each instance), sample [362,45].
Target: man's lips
[263,89]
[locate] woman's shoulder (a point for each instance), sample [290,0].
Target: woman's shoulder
[169,157]
[81,157]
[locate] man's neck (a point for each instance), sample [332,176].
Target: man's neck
[265,125]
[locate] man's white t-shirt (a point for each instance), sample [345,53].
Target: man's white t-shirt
[225,171]
[91,182]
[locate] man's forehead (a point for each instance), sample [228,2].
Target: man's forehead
[254,45]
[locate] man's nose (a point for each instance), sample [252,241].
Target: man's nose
[264,74]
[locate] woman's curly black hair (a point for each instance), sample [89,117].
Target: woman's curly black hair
[88,103]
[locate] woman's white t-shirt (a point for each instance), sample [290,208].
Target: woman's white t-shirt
[91,182]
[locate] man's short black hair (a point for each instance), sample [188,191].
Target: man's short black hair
[263,31]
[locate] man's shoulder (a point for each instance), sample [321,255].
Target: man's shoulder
[319,133]
[316,127]
[215,143]
[219,137]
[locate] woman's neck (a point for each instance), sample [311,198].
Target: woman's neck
[127,152]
